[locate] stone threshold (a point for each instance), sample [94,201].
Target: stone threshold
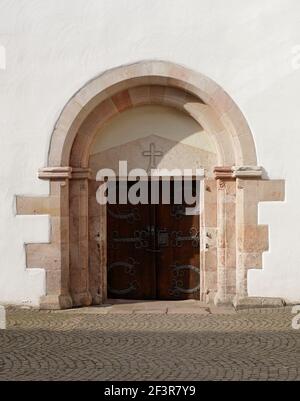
[124,307]
[121,306]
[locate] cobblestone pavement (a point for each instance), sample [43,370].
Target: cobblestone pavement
[248,345]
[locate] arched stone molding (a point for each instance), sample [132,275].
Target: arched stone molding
[150,95]
[234,239]
[158,73]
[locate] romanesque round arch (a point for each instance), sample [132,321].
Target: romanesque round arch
[234,240]
[236,133]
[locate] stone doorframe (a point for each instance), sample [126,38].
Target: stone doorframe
[75,258]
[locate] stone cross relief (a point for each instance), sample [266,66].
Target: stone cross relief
[152,153]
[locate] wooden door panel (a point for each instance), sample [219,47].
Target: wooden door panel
[178,263]
[130,274]
[153,252]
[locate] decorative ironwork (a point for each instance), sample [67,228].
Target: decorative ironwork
[130,216]
[140,238]
[178,211]
[162,237]
[177,281]
[130,270]
[178,238]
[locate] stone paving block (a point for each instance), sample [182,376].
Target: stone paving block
[120,311]
[197,311]
[158,311]
[258,344]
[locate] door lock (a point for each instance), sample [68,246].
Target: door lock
[163,237]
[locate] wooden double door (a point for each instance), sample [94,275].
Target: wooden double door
[153,250]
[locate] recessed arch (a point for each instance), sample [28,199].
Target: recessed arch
[150,95]
[106,91]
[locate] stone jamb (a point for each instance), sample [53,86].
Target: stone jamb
[225,227]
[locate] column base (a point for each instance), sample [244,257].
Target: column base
[97,299]
[221,300]
[51,302]
[82,299]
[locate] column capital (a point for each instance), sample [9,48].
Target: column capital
[223,172]
[233,172]
[247,171]
[55,173]
[79,173]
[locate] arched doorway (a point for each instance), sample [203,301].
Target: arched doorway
[154,246]
[76,258]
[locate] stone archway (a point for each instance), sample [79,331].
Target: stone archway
[234,240]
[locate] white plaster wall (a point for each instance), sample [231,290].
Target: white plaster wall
[53,47]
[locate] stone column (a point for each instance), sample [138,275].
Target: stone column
[55,256]
[226,241]
[97,246]
[79,237]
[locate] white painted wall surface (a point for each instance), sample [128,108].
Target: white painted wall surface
[54,47]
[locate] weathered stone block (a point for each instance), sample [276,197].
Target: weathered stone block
[271,190]
[252,238]
[258,302]
[2,318]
